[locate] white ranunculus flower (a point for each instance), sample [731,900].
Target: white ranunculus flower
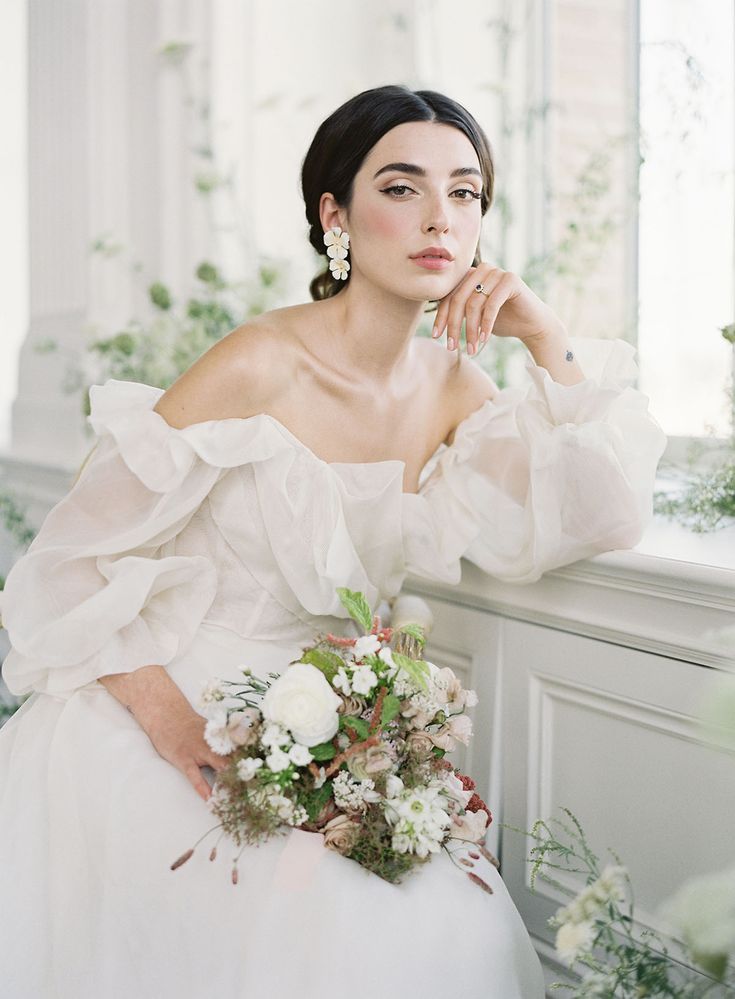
[573,939]
[303,701]
[363,680]
[366,645]
[277,760]
[247,768]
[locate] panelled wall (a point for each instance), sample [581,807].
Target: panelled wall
[577,709]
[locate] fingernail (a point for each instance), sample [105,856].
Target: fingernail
[435,332]
[483,336]
[470,348]
[450,342]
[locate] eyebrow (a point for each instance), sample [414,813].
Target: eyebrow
[420,172]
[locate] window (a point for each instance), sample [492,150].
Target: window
[686,229]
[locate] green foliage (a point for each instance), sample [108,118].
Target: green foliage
[323,751]
[415,631]
[390,709]
[14,520]
[357,607]
[707,502]
[358,724]
[416,669]
[315,800]
[328,662]
[614,960]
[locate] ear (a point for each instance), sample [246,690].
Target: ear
[330,214]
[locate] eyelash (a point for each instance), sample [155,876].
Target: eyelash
[405,187]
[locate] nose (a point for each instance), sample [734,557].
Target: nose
[436,218]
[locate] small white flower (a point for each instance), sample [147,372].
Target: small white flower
[363,680]
[386,654]
[274,734]
[342,682]
[247,768]
[393,786]
[573,939]
[211,692]
[300,755]
[339,269]
[216,734]
[366,645]
[277,760]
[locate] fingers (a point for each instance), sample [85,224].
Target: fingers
[197,781]
[478,310]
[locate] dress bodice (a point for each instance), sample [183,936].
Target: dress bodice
[237,522]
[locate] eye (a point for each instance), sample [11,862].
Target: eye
[397,187]
[467,190]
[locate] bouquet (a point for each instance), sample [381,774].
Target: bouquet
[349,741]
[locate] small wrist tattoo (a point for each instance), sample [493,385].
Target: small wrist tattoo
[569,356]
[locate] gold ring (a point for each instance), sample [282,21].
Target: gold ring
[481,289]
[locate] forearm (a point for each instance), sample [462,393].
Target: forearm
[148,694]
[549,350]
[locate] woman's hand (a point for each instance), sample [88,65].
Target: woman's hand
[179,738]
[168,719]
[505,307]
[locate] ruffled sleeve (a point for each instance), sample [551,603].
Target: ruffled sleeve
[543,474]
[100,589]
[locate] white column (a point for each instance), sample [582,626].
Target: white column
[110,158]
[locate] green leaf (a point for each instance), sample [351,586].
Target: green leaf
[417,669]
[323,751]
[328,662]
[437,751]
[359,724]
[160,296]
[357,607]
[415,631]
[391,707]
[316,801]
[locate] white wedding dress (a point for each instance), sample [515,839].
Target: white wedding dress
[221,545]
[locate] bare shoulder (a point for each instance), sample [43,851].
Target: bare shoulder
[240,375]
[462,385]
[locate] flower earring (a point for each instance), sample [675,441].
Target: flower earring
[337,243]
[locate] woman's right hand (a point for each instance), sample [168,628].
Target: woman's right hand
[168,719]
[178,736]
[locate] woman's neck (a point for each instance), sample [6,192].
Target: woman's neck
[370,331]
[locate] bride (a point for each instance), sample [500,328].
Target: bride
[316,446]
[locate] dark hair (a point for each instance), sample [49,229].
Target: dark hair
[345,138]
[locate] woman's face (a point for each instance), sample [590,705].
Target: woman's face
[423,201]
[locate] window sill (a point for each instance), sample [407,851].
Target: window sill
[673,594]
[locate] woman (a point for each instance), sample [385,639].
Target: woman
[317,446]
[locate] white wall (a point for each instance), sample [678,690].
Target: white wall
[13,203]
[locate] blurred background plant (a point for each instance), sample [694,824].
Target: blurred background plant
[596,933]
[704,500]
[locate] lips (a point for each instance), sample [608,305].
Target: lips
[433,253]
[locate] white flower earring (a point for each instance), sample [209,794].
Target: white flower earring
[337,243]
